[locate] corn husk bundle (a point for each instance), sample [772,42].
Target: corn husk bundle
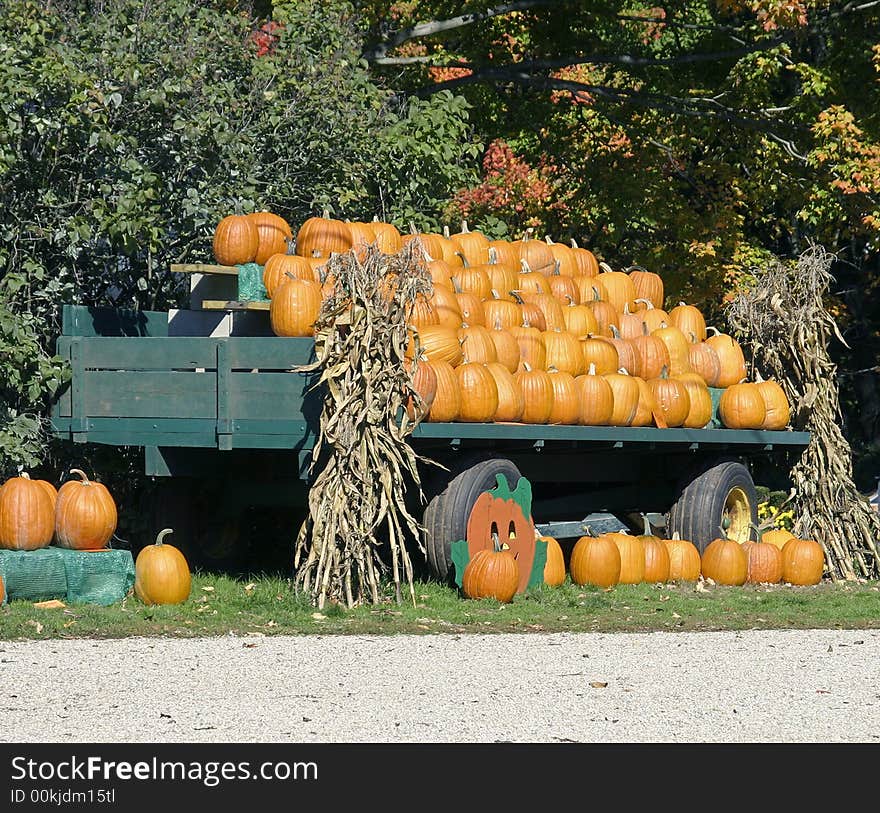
[783,320]
[366,465]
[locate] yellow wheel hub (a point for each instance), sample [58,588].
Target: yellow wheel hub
[736,517]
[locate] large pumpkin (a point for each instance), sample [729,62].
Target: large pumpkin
[595,560]
[625,392]
[596,399]
[776,404]
[648,285]
[689,320]
[537,255]
[588,265]
[85,514]
[566,408]
[725,562]
[27,516]
[510,398]
[672,398]
[803,561]
[161,573]
[424,382]
[554,567]
[279,268]
[236,240]
[447,398]
[273,233]
[474,245]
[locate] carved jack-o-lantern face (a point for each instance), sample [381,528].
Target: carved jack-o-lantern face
[501,516]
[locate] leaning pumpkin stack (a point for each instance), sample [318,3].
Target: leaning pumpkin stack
[525,331]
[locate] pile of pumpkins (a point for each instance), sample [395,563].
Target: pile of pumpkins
[81,515]
[527,331]
[623,558]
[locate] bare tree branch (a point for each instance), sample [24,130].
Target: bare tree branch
[600,59]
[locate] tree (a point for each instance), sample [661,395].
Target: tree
[127,132]
[698,139]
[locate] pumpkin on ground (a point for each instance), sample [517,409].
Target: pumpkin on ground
[765,563]
[803,561]
[27,516]
[85,514]
[725,562]
[777,537]
[595,560]
[554,567]
[491,574]
[684,559]
[657,564]
[632,557]
[161,573]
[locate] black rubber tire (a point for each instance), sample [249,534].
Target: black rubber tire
[446,515]
[698,511]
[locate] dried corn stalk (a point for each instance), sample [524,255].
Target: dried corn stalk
[360,342]
[782,320]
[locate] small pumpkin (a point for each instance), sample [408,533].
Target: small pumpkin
[474,245]
[621,289]
[440,343]
[678,347]
[567,262]
[85,514]
[537,255]
[554,568]
[725,562]
[531,345]
[700,399]
[506,347]
[388,238]
[588,265]
[491,574]
[161,573]
[803,561]
[601,353]
[27,515]
[477,344]
[705,362]
[595,560]
[689,320]
[648,285]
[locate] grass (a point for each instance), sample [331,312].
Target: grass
[220,605]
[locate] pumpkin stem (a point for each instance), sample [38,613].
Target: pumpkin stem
[592,370]
[571,302]
[446,232]
[25,475]
[574,243]
[635,268]
[464,260]
[160,538]
[615,332]
[516,293]
[648,529]
[605,267]
[712,327]
[525,268]
[493,255]
[82,474]
[650,305]
[557,265]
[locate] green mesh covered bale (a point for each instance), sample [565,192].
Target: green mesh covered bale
[77,577]
[250,283]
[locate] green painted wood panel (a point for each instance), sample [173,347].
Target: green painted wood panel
[270,353]
[272,395]
[148,353]
[149,394]
[79,320]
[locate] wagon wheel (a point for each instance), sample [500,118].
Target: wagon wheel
[446,515]
[720,496]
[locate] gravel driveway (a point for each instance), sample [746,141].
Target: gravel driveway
[778,686]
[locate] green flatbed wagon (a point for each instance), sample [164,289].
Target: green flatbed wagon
[225,423]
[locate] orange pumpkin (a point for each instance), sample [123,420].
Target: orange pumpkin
[388,238]
[684,559]
[595,560]
[447,399]
[596,399]
[588,265]
[491,574]
[705,362]
[474,245]
[479,394]
[273,233]
[85,514]
[725,562]
[321,236]
[537,390]
[506,347]
[803,561]
[730,354]
[764,563]
[476,344]
[161,573]
[424,382]
[672,398]
[537,255]
[648,285]
[657,563]
[554,568]
[236,240]
[601,353]
[777,537]
[566,408]
[700,400]
[689,320]
[742,407]
[279,266]
[777,412]
[632,557]
[295,307]
[625,390]
[440,343]
[27,515]
[510,398]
